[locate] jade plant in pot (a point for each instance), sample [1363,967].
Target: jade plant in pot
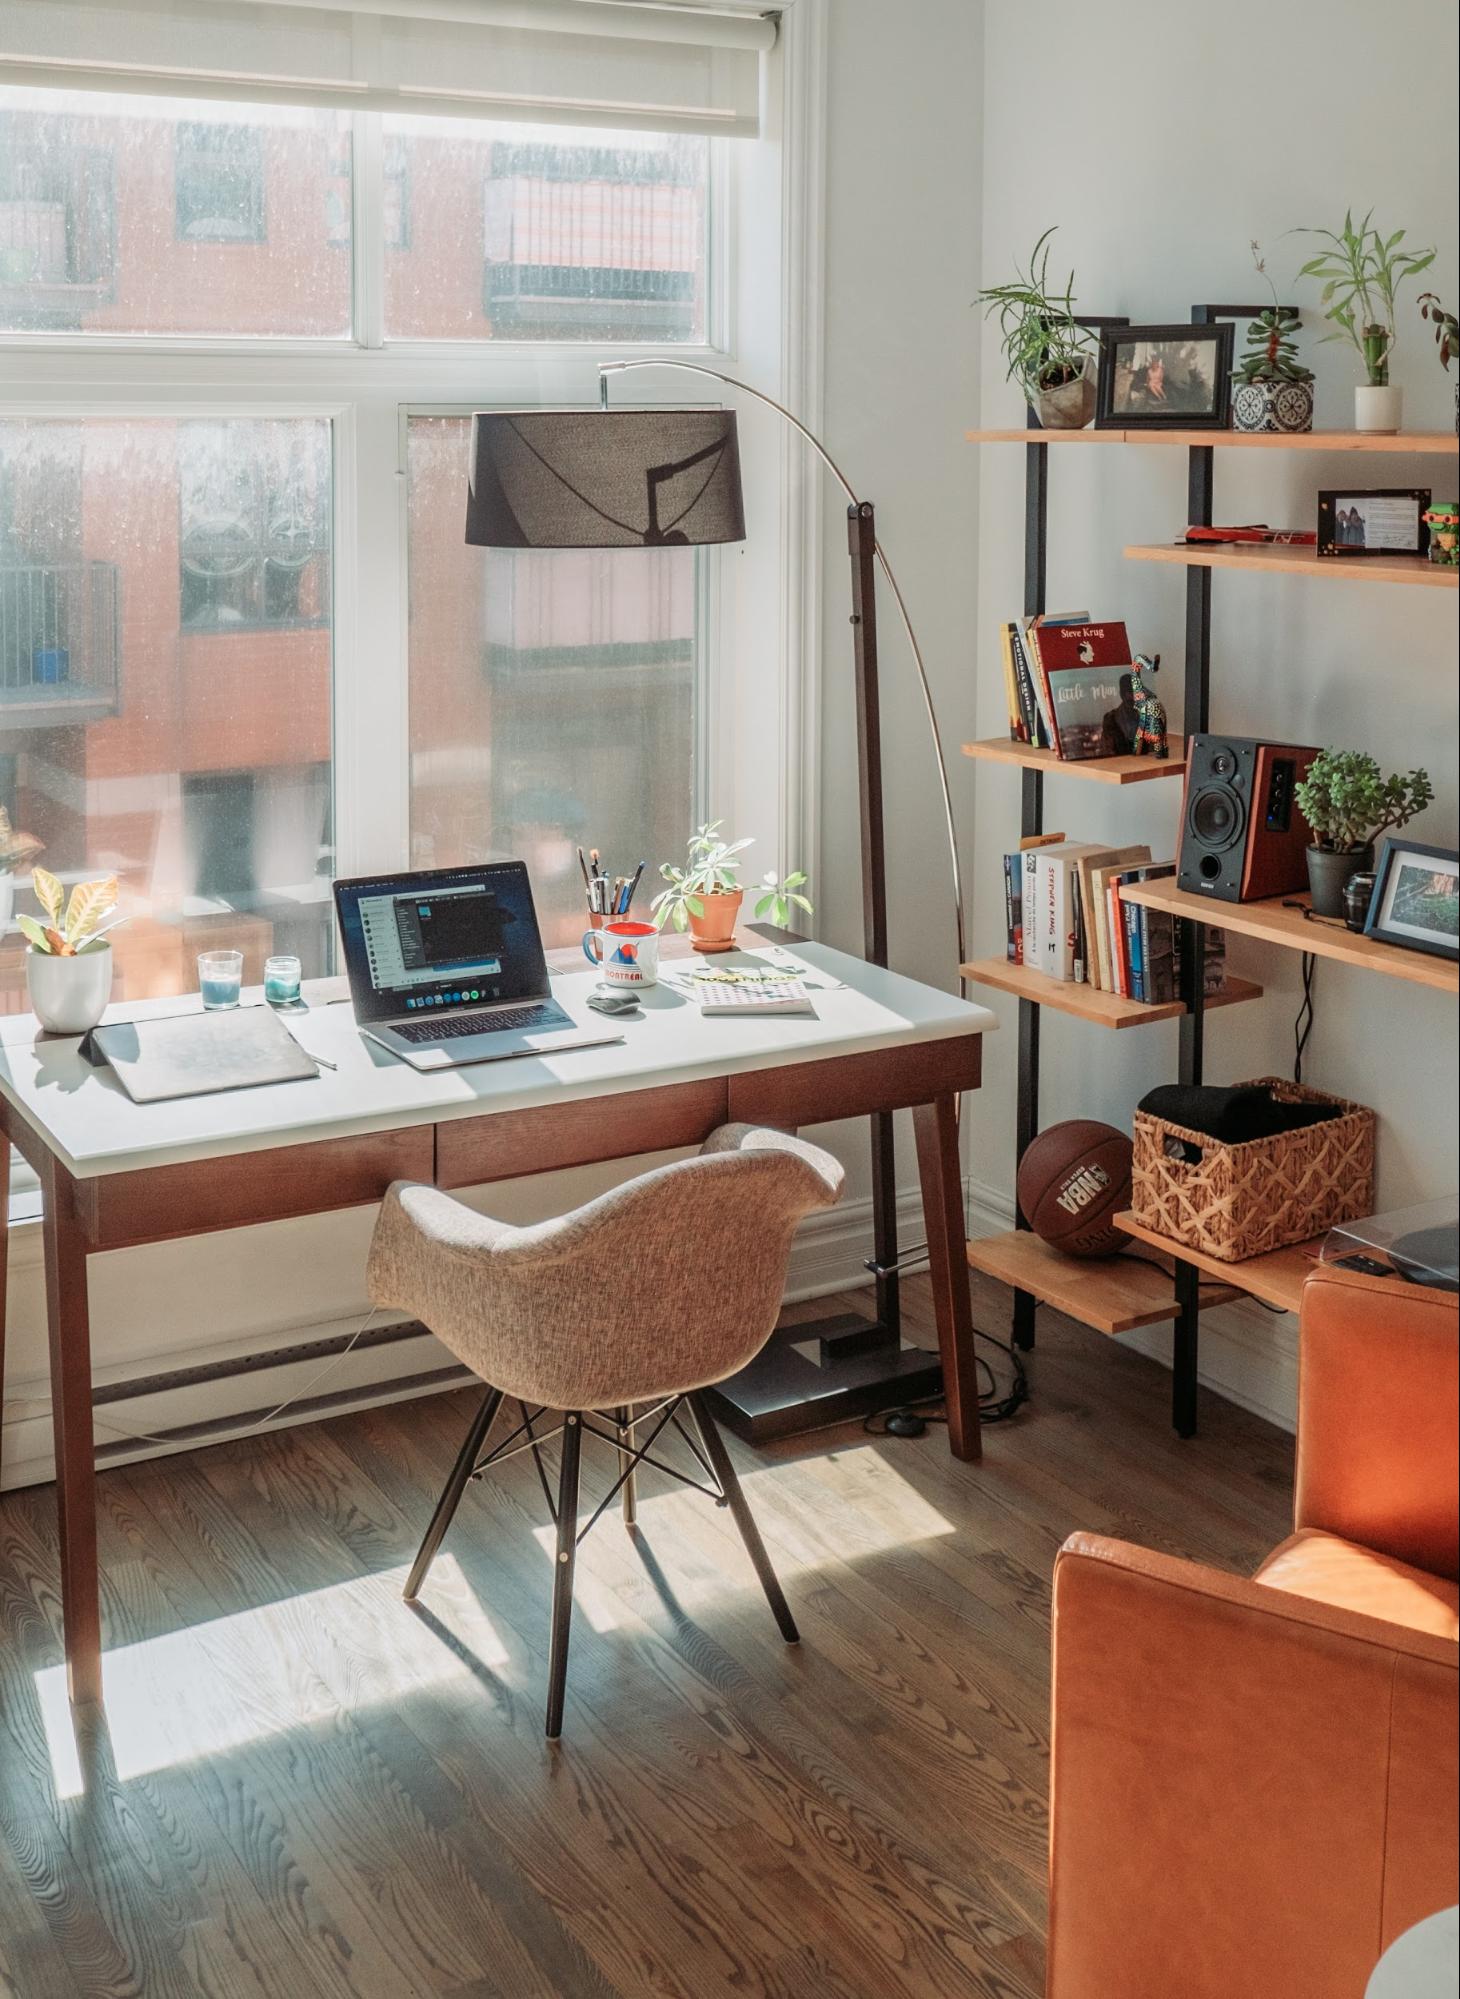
[1362,271]
[1271,389]
[68,965]
[1046,351]
[1348,803]
[16,848]
[705,896]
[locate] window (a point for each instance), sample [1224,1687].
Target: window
[547,233]
[193,759]
[219,183]
[552,695]
[140,216]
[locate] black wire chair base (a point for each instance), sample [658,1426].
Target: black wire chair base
[618,1429]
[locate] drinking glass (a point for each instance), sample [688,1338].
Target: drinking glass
[220,977]
[281,980]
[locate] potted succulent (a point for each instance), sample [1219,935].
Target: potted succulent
[1271,389]
[1046,351]
[68,967]
[705,896]
[1348,803]
[1447,338]
[1361,272]
[16,848]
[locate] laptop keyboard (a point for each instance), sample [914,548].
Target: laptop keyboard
[453,1027]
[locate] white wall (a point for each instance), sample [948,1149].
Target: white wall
[1200,129]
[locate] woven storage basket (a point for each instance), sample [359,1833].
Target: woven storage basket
[1237,1201]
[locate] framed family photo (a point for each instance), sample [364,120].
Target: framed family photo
[1416,899]
[1374,522]
[1165,377]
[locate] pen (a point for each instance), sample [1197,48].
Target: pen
[584,866]
[633,885]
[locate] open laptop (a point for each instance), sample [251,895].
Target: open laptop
[446,967]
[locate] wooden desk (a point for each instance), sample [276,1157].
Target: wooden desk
[115,1174]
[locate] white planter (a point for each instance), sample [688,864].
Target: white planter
[69,995]
[1378,411]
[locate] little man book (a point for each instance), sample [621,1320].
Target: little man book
[1082,668]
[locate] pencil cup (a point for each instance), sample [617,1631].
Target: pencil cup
[626,953]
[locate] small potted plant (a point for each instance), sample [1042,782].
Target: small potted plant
[1046,351]
[68,966]
[705,896]
[16,848]
[1348,803]
[1271,389]
[1447,338]
[1361,272]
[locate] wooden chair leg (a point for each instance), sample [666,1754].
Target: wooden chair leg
[567,1550]
[744,1519]
[623,1416]
[456,1485]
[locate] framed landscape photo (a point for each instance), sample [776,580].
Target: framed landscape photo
[1165,377]
[1387,521]
[1416,899]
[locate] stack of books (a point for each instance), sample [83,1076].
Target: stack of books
[1066,681]
[1068,919]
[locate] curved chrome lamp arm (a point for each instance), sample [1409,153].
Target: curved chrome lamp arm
[607,368]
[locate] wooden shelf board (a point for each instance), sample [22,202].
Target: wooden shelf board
[1111,1295]
[1293,561]
[1089,1002]
[1274,924]
[1277,1278]
[1099,770]
[1429,442]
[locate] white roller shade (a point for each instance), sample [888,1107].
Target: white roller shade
[579,62]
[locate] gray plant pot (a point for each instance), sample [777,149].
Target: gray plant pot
[1071,406]
[1328,873]
[1272,406]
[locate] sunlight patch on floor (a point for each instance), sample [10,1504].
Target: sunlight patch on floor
[217,1686]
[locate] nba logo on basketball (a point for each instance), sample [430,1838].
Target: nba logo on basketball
[1081,1188]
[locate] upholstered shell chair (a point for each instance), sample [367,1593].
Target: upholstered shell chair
[643,1297]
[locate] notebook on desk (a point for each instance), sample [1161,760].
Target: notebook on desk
[194,1054]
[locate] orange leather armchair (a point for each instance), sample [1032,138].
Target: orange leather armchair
[1254,1787]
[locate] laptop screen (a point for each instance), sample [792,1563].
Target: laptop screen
[440,940]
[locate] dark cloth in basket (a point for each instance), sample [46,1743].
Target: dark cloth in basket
[1233,1116]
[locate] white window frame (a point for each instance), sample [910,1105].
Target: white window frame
[762,631]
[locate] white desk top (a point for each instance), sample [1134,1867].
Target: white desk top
[94,1127]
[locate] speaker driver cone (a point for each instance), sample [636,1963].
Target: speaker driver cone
[1218,817]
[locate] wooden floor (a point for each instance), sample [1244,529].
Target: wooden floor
[305,1788]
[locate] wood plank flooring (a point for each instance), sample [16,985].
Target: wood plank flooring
[304,1787]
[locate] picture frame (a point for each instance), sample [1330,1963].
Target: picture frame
[1416,899]
[1373,520]
[1175,377]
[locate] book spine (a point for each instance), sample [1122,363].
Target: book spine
[1158,939]
[1014,909]
[1135,950]
[1018,731]
[1118,979]
[1081,972]
[1042,697]
[1028,706]
[1057,947]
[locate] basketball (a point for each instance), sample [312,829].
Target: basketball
[1073,1180]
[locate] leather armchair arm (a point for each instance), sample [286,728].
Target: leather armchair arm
[1247,1784]
[1378,1433]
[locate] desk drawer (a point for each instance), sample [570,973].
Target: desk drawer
[159,1203]
[890,1079]
[471,1152]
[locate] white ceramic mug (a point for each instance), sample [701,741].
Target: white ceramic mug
[627,953]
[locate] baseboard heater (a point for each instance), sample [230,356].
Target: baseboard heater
[328,1402]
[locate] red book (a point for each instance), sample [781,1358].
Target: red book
[1082,665]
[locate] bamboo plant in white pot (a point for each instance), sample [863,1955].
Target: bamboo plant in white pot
[1361,272]
[68,966]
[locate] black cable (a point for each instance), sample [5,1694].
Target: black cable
[993,1407]
[1303,1025]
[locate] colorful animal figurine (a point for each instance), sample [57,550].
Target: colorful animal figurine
[1151,740]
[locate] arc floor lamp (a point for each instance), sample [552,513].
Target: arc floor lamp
[656,478]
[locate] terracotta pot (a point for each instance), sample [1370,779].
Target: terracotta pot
[1328,875]
[1071,406]
[69,995]
[1272,406]
[715,930]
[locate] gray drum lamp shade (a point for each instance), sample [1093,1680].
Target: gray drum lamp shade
[604,479]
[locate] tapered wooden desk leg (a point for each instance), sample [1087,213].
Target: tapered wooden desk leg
[69,1323]
[936,1127]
